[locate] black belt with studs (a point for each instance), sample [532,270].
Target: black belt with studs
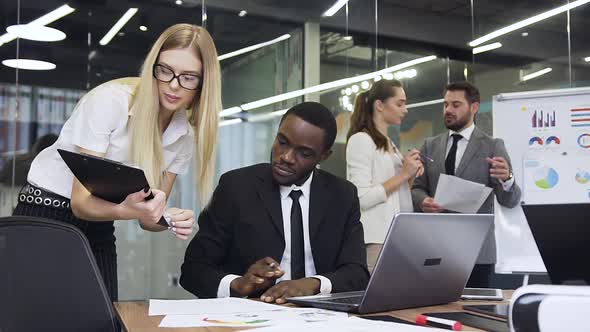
[31,194]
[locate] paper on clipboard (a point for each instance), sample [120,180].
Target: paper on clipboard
[460,195]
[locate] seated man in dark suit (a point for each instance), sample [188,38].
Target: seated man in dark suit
[281,229]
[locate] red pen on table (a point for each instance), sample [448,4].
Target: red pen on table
[439,322]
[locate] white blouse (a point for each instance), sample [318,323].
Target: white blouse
[368,168]
[100,123]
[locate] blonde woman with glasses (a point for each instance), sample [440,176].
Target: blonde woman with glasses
[154,122]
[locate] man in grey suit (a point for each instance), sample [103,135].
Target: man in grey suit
[467,152]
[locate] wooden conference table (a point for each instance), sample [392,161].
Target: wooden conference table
[134,316]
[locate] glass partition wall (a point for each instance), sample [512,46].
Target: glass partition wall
[300,49]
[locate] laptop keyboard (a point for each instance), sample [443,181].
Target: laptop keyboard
[348,300]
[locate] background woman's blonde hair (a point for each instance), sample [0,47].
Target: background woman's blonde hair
[146,142]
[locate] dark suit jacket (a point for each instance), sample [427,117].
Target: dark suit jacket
[473,167]
[244,223]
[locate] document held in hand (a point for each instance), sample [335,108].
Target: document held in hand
[460,195]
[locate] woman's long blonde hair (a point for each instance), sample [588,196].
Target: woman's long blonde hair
[146,142]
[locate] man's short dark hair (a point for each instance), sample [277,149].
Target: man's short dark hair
[471,91]
[317,115]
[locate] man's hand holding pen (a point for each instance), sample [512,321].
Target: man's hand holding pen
[499,168]
[260,275]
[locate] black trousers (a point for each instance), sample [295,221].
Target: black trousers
[100,235]
[480,276]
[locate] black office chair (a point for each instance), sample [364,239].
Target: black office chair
[49,280]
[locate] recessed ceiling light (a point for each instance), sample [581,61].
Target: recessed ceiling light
[587,59]
[230,122]
[43,20]
[36,32]
[230,111]
[485,48]
[527,22]
[335,8]
[266,116]
[253,47]
[242,13]
[142,28]
[117,26]
[524,34]
[536,74]
[409,73]
[333,84]
[178,2]
[426,103]
[28,64]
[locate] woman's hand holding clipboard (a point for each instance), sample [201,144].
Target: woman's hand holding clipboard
[147,205]
[151,205]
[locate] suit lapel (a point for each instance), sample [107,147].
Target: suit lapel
[470,151]
[269,193]
[318,202]
[441,155]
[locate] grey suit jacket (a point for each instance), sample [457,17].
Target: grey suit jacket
[473,167]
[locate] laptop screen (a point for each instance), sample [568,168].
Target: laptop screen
[562,234]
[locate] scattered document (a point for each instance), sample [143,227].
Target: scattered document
[459,195]
[207,306]
[350,324]
[282,316]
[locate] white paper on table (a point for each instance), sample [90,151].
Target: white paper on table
[460,195]
[281,316]
[207,306]
[350,324]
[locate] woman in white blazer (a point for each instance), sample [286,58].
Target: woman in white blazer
[382,175]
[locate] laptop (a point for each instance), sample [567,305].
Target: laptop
[562,234]
[426,260]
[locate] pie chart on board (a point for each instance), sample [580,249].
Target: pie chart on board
[546,177]
[583,177]
[536,140]
[553,140]
[584,141]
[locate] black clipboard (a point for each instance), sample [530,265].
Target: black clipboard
[105,178]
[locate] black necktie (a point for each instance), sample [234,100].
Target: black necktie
[450,161]
[297,250]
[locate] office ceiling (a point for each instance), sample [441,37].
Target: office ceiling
[442,27]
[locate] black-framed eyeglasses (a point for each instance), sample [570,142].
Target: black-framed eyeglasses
[166,75]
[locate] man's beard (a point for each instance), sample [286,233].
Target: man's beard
[458,124]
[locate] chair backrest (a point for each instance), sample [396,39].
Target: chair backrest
[49,280]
